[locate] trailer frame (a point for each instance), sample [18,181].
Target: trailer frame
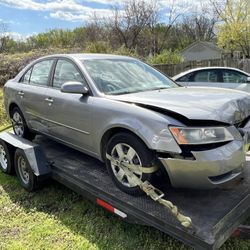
[226,208]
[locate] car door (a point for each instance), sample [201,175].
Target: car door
[34,85]
[234,80]
[185,80]
[205,78]
[69,115]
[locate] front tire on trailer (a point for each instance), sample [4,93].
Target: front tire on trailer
[130,149]
[19,124]
[24,172]
[6,158]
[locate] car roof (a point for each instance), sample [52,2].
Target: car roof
[85,56]
[206,68]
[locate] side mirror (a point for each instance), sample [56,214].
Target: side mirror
[248,79]
[74,88]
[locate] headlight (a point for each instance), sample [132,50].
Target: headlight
[201,135]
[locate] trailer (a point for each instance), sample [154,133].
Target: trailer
[216,214]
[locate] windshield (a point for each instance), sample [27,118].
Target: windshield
[125,76]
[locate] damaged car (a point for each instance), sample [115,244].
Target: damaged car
[126,113]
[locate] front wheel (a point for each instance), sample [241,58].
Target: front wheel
[127,148]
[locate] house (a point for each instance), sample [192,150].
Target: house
[198,51]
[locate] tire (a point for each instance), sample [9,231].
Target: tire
[24,172]
[6,158]
[19,124]
[142,156]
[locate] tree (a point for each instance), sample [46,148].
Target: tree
[234,32]
[199,27]
[3,36]
[161,32]
[131,21]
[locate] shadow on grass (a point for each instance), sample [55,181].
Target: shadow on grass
[82,217]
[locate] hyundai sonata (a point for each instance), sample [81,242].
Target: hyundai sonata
[107,105]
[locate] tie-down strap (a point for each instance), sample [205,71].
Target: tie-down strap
[133,167]
[154,193]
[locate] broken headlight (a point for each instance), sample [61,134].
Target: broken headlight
[193,135]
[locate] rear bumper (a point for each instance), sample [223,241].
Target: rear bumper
[209,169]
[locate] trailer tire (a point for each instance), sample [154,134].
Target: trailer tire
[143,156]
[24,172]
[6,158]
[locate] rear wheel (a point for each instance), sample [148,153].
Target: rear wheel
[24,172]
[127,148]
[19,124]
[6,161]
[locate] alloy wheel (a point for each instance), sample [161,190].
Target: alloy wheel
[125,153]
[18,125]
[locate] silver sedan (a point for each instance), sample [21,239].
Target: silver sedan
[221,77]
[106,105]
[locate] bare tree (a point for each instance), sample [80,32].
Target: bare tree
[3,37]
[95,29]
[129,22]
[199,26]
[165,30]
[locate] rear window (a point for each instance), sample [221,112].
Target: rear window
[38,74]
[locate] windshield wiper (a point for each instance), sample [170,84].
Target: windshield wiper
[138,91]
[122,93]
[159,88]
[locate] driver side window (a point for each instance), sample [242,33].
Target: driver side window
[66,72]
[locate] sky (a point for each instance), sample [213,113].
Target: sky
[29,17]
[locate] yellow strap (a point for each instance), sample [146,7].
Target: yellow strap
[133,167]
[154,193]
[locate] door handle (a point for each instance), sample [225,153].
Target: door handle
[21,93]
[49,100]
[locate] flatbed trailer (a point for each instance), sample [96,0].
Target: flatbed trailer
[215,214]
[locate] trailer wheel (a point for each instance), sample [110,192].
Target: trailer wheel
[6,158]
[19,124]
[127,147]
[24,172]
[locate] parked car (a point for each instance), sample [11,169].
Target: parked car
[106,105]
[221,77]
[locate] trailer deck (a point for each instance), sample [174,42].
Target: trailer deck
[215,213]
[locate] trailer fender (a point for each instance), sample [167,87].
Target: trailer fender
[34,153]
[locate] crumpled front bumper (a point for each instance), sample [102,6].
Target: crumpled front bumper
[209,169]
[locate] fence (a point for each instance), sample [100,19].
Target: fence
[174,69]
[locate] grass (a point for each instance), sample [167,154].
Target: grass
[57,218]
[3,117]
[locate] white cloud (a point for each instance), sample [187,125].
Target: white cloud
[68,16]
[17,36]
[67,5]
[14,35]
[69,10]
[75,10]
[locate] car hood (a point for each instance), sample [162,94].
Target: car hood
[195,103]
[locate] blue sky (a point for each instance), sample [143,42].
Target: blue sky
[27,17]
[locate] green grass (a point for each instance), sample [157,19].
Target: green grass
[57,218]
[3,117]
